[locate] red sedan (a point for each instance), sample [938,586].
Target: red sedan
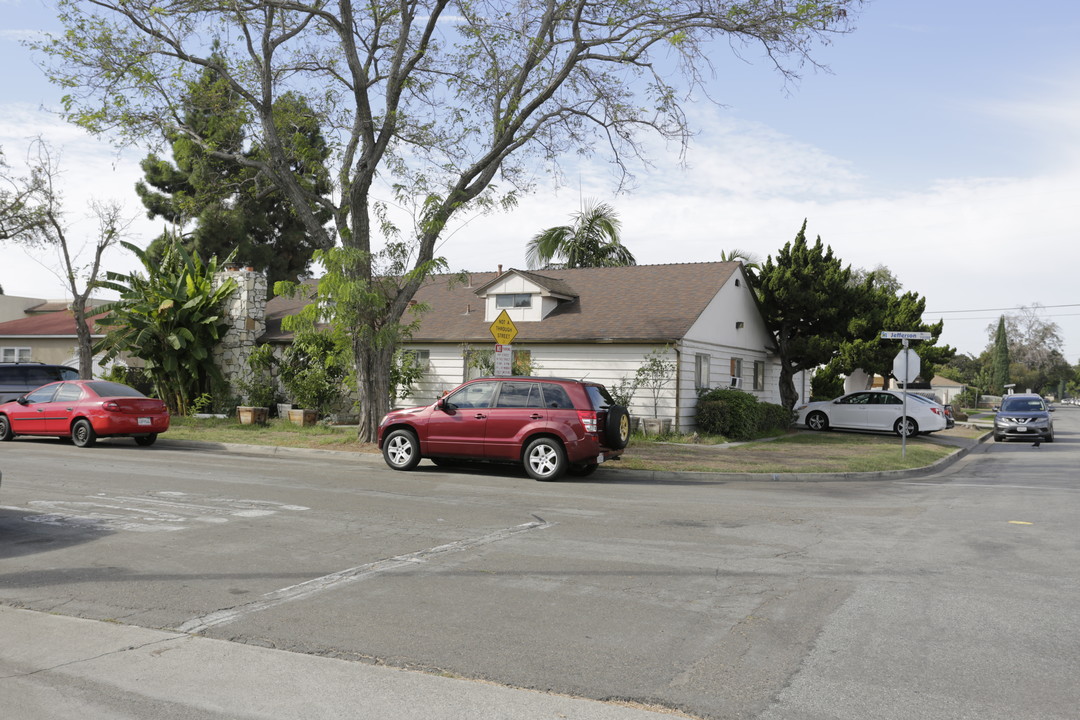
[85,410]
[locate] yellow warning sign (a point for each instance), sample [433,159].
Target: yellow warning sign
[503,329]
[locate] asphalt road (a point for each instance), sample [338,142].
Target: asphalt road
[952,596]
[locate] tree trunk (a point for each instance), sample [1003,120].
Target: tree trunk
[788,395]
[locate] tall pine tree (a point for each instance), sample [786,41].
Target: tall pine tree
[229,206]
[999,359]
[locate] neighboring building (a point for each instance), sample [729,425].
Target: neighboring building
[47,337]
[596,323]
[945,389]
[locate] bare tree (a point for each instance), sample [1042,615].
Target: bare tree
[452,105]
[40,222]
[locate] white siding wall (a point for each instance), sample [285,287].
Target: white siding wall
[602,363]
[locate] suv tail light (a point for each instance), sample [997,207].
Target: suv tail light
[588,419]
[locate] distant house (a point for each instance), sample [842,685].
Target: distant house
[38,330]
[596,323]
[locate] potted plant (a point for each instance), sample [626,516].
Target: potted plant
[654,375]
[313,371]
[259,390]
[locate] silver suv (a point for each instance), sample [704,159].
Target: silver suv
[1024,417]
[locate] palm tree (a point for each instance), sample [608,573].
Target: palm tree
[592,240]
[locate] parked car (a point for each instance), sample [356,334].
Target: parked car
[873,410]
[1024,416]
[85,410]
[550,425]
[946,410]
[19,378]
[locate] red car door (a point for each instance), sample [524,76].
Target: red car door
[61,409]
[456,426]
[28,416]
[519,407]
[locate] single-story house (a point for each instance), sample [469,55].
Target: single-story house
[43,336]
[596,323]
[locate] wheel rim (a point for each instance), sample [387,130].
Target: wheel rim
[79,434]
[907,428]
[816,421]
[400,450]
[624,428]
[543,460]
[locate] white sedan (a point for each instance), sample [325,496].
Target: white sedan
[873,410]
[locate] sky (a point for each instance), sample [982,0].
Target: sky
[942,143]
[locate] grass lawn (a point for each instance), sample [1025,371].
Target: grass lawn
[794,452]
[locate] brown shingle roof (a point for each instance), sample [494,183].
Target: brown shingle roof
[638,303]
[50,324]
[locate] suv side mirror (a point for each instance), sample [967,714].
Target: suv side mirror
[996,408]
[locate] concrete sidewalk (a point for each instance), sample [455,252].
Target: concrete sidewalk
[55,667]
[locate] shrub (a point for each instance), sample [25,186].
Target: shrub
[775,417]
[738,415]
[741,417]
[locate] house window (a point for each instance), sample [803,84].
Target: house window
[701,371]
[736,367]
[519,300]
[15,354]
[420,358]
[759,374]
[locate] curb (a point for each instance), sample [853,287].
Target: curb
[614,474]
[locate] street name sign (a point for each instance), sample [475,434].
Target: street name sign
[903,335]
[503,329]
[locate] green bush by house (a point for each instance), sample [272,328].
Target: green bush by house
[738,415]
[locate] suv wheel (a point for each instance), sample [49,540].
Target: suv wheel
[545,459]
[401,450]
[617,427]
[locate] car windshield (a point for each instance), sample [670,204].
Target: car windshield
[1015,404]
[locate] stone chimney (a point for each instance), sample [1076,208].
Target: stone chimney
[245,313]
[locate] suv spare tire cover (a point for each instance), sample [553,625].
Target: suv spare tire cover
[613,435]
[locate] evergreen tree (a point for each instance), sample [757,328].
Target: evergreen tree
[232,206]
[809,304]
[999,359]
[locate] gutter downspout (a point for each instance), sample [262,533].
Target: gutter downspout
[678,384]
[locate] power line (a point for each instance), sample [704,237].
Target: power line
[1021,307]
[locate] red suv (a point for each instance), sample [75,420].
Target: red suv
[550,425]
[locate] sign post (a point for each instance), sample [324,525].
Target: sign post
[906,366]
[504,331]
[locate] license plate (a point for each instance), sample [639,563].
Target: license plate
[600,458]
[146,421]
[1021,429]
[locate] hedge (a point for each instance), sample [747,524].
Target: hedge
[738,415]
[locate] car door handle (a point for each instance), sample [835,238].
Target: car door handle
[480,416]
[536,416]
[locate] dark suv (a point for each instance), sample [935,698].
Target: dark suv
[550,425]
[17,379]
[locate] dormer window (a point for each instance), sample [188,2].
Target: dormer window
[518,300]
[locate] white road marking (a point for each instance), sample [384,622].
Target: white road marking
[360,572]
[154,512]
